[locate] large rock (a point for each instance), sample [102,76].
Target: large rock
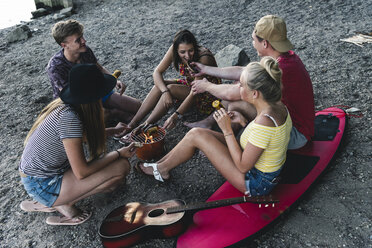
[66,12]
[39,12]
[53,4]
[22,32]
[231,55]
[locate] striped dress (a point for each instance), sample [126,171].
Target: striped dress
[274,141]
[44,154]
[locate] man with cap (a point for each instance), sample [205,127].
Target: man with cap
[269,39]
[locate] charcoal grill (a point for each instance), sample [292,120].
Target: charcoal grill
[151,150]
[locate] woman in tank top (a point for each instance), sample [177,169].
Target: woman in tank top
[164,93]
[253,163]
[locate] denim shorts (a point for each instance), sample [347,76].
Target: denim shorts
[260,183]
[43,190]
[107,96]
[296,140]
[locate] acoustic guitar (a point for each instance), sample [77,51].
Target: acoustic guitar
[134,222]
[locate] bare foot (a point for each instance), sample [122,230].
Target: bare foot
[34,206]
[69,221]
[114,131]
[68,210]
[129,128]
[206,123]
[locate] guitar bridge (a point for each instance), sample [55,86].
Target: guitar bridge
[133,216]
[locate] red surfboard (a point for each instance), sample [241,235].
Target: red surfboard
[225,226]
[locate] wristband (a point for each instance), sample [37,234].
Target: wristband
[118,154]
[167,90]
[228,134]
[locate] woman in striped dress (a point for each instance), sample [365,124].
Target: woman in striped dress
[54,169]
[252,163]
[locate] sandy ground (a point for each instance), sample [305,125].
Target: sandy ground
[133,36]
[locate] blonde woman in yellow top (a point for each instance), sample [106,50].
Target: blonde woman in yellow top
[253,163]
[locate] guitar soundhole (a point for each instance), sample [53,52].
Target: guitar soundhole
[156,213]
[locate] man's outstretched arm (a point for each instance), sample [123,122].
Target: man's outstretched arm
[229,92]
[229,73]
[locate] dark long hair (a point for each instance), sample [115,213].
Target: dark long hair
[184,36]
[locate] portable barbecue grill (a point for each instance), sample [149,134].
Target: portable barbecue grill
[152,145]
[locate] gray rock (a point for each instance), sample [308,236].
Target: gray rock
[21,32]
[39,12]
[58,17]
[53,4]
[66,11]
[67,3]
[231,55]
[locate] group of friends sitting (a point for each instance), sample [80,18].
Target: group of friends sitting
[267,110]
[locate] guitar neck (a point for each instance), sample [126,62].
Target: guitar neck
[219,203]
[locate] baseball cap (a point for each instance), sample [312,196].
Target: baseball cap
[273,29]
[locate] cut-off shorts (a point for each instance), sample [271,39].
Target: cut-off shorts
[260,183]
[43,190]
[104,99]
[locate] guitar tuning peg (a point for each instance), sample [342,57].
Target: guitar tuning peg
[259,205]
[266,205]
[273,205]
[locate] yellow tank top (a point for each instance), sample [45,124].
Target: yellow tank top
[274,141]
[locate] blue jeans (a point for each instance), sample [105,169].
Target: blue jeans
[260,183]
[43,190]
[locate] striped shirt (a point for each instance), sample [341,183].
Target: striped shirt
[274,141]
[44,154]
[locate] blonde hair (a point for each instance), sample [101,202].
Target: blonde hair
[92,118]
[264,76]
[43,114]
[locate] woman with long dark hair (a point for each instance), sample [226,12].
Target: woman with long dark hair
[181,53]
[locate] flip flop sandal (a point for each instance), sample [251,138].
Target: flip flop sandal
[115,137]
[120,137]
[155,172]
[66,221]
[34,206]
[125,140]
